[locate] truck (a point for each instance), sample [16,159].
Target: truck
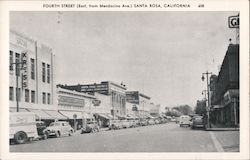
[22,127]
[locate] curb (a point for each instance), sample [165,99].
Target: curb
[222,129]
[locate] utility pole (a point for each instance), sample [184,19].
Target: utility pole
[208,96]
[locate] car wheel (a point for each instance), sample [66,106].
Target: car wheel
[45,136]
[180,125]
[57,134]
[70,133]
[20,137]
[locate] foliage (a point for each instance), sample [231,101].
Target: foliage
[200,107]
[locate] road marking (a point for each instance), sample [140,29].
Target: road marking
[216,142]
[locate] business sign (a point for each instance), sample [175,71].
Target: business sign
[70,101]
[96,102]
[101,88]
[24,68]
[234,21]
[132,97]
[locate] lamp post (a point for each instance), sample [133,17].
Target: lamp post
[208,96]
[18,70]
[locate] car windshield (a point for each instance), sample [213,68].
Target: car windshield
[54,124]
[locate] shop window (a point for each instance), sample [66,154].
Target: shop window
[44,98]
[18,94]
[48,98]
[17,61]
[33,96]
[11,61]
[43,72]
[32,69]
[27,95]
[48,73]
[11,93]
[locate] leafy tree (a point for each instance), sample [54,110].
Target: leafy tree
[200,107]
[184,109]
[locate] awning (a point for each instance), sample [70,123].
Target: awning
[121,116]
[70,114]
[103,115]
[40,114]
[55,114]
[20,110]
[87,116]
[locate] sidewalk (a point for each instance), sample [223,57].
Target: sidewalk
[222,128]
[229,140]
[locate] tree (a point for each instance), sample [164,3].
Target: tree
[200,107]
[184,109]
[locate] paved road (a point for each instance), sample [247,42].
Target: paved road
[157,138]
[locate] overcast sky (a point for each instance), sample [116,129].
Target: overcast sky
[161,54]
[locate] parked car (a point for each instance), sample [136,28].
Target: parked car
[22,127]
[151,122]
[40,125]
[197,122]
[115,124]
[185,120]
[157,121]
[144,122]
[125,124]
[58,129]
[91,127]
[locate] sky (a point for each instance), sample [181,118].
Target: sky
[161,54]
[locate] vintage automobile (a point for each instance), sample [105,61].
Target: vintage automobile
[58,129]
[185,120]
[125,124]
[197,122]
[151,122]
[40,125]
[91,127]
[115,124]
[22,127]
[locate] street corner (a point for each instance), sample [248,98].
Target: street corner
[228,140]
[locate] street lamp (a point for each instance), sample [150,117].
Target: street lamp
[22,62]
[208,95]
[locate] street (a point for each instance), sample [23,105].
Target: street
[169,137]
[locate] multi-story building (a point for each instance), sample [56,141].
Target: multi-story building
[74,105]
[225,91]
[141,100]
[111,95]
[31,77]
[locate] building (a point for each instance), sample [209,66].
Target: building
[76,106]
[225,91]
[142,102]
[111,95]
[31,84]
[155,110]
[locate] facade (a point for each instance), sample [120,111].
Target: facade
[225,90]
[155,110]
[142,102]
[111,95]
[76,106]
[31,84]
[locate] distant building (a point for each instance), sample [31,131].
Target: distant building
[225,90]
[35,87]
[142,102]
[112,93]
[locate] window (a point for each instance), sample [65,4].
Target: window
[27,95]
[48,73]
[18,94]
[17,61]
[32,62]
[11,60]
[43,72]
[33,94]
[11,91]
[44,98]
[48,98]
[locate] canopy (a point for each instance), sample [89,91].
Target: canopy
[87,115]
[20,110]
[40,114]
[55,114]
[70,114]
[103,115]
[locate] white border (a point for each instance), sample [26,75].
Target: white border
[223,5]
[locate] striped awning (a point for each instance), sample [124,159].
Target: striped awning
[40,114]
[55,114]
[70,114]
